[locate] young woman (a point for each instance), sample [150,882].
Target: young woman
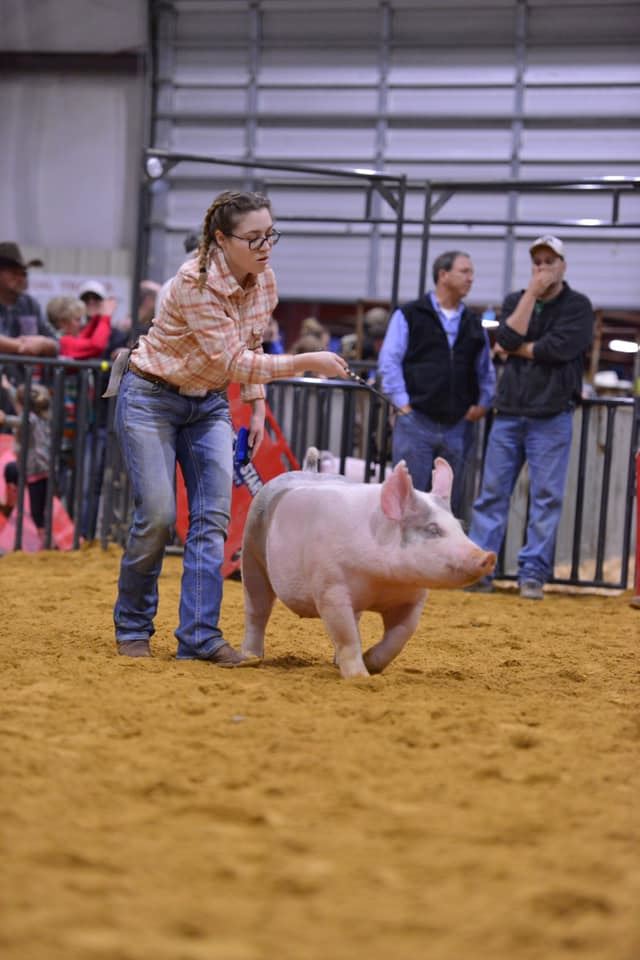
[172,406]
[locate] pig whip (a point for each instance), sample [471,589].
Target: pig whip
[354,376]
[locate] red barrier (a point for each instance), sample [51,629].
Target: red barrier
[273,458]
[61,522]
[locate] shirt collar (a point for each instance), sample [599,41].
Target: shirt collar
[440,310]
[224,280]
[565,287]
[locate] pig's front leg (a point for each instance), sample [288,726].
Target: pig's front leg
[259,598]
[342,626]
[399,625]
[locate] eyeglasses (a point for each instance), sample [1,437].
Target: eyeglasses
[257,243]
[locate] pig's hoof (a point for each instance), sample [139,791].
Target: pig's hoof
[251,654]
[352,672]
[371,665]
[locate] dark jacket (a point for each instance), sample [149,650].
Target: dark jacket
[562,329]
[25,318]
[441,380]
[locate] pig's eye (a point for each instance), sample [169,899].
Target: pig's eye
[433,530]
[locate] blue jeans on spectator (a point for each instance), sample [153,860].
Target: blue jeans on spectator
[418,440]
[545,444]
[156,427]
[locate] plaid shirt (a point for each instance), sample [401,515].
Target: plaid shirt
[205,340]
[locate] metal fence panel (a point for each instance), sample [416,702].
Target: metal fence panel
[351,425]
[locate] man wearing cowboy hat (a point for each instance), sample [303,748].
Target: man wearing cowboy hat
[544,332]
[23,329]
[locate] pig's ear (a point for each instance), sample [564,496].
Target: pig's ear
[397,493]
[442,479]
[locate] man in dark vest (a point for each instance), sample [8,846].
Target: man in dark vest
[435,364]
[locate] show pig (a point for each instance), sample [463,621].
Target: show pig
[332,549]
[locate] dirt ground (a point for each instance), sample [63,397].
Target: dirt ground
[478,801]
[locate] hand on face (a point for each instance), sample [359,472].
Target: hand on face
[108,306]
[547,272]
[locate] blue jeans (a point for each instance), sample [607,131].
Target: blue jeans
[156,427]
[418,441]
[545,444]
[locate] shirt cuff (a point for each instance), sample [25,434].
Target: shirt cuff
[251,391]
[510,339]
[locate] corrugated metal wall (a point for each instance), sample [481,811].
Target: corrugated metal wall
[473,90]
[72,102]
[463,89]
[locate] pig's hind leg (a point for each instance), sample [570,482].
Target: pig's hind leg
[259,597]
[399,625]
[342,626]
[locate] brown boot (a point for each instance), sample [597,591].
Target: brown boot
[226,656]
[134,648]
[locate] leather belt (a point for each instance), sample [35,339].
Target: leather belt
[159,382]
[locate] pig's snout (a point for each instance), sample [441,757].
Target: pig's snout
[475,565]
[487,563]
[478,564]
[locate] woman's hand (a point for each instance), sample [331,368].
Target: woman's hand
[323,362]
[256,426]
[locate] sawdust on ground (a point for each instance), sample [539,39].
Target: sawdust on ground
[478,801]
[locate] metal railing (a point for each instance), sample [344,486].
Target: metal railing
[353,427]
[80,454]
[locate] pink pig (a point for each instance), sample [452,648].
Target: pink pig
[332,549]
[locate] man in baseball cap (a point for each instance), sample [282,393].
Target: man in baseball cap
[92,290]
[548,240]
[544,332]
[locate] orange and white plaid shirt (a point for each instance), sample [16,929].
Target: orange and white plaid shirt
[206,339]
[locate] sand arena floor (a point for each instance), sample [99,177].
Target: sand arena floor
[478,801]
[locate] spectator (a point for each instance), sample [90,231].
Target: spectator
[98,305]
[435,364]
[544,332]
[191,244]
[81,342]
[96,339]
[308,343]
[376,321]
[94,296]
[272,340]
[11,477]
[23,329]
[349,346]
[38,440]
[147,297]
[311,327]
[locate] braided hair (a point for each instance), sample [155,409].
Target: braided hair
[223,215]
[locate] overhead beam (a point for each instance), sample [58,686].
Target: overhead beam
[123,63]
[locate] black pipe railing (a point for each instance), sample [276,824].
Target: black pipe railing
[340,416]
[73,479]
